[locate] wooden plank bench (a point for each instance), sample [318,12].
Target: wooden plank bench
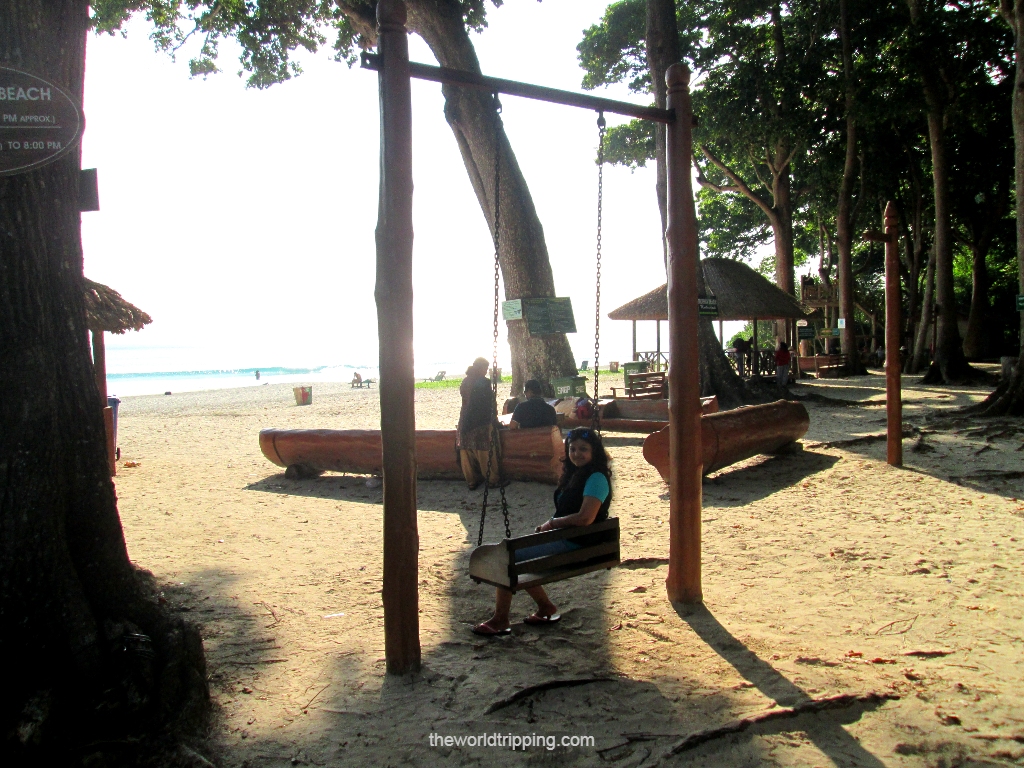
[644,385]
[823,366]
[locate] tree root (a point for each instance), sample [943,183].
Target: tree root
[842,701]
[545,686]
[909,430]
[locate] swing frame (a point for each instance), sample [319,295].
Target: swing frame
[394,297]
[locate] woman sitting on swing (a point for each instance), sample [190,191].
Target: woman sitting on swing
[582,497]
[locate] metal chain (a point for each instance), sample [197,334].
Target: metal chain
[601,128]
[494,447]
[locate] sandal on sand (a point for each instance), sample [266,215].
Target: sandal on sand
[486,630]
[537,620]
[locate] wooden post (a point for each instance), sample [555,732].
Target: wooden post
[721,334]
[634,341]
[893,389]
[99,365]
[657,345]
[393,294]
[683,582]
[755,364]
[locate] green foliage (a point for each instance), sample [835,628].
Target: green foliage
[268,31]
[631,145]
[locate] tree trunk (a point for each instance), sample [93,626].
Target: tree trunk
[976,339]
[662,51]
[74,610]
[917,362]
[1008,399]
[844,214]
[717,376]
[949,364]
[782,222]
[523,252]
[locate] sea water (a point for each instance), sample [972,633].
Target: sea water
[157,383]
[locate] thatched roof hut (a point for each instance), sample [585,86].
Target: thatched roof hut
[106,310]
[742,294]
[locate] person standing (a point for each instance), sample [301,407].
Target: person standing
[477,419]
[535,411]
[782,359]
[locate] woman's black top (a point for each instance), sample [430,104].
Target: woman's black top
[569,500]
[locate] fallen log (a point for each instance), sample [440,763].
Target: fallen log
[731,436]
[528,454]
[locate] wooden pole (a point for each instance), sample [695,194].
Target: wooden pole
[99,364]
[393,294]
[634,341]
[683,582]
[755,364]
[893,389]
[657,345]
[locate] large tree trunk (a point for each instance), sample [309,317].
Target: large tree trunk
[662,52]
[976,339]
[1009,395]
[917,361]
[73,607]
[844,212]
[523,253]
[717,376]
[782,222]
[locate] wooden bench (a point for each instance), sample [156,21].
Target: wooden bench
[823,366]
[644,385]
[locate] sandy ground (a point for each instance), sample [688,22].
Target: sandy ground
[826,573]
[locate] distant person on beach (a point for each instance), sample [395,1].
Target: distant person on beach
[583,496]
[257,374]
[477,419]
[782,359]
[534,412]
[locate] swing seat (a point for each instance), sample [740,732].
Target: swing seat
[496,563]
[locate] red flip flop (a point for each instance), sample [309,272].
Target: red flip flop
[537,620]
[486,630]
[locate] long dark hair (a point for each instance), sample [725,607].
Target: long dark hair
[599,462]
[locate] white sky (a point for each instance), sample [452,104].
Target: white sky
[243,220]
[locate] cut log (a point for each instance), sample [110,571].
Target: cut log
[732,436]
[528,454]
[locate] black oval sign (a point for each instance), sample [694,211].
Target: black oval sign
[38,122]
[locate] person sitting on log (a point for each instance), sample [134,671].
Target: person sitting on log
[534,411]
[583,496]
[476,420]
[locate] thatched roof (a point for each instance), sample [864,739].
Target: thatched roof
[742,294]
[105,310]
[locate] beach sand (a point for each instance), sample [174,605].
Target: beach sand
[826,574]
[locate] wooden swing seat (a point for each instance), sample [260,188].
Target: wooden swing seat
[496,563]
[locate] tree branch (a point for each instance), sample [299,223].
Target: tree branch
[741,185]
[702,180]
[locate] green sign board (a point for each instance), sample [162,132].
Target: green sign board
[1020,303]
[543,316]
[805,332]
[571,386]
[549,315]
[708,306]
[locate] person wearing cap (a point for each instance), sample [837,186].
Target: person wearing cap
[534,411]
[476,420]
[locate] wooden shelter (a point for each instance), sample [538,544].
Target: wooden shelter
[107,311]
[742,294]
